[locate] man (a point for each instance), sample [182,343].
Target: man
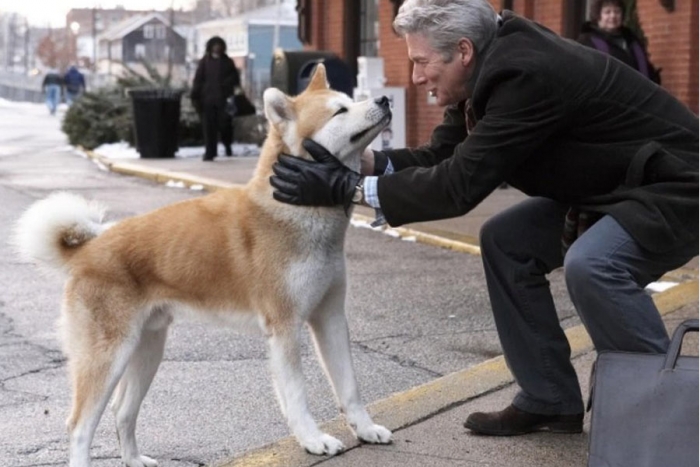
[587,137]
[74,82]
[214,82]
[51,87]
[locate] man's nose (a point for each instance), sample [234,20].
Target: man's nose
[382,101]
[417,78]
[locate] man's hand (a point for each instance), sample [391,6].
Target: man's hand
[325,182]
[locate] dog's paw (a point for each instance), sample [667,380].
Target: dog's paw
[324,444]
[374,434]
[141,461]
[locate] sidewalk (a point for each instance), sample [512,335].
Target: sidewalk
[427,420]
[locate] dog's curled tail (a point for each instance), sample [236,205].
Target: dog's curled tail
[53,229]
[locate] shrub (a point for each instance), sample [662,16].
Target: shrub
[106,115]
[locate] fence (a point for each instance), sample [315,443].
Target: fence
[20,87]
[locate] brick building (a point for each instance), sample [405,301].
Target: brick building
[352,28]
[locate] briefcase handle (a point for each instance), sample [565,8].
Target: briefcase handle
[675,348]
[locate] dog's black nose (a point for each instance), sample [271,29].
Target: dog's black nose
[382,101]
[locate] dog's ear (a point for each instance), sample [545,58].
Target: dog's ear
[278,106]
[318,80]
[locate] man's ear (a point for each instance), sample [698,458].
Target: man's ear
[278,106]
[467,51]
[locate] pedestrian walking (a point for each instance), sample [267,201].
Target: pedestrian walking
[214,82]
[51,87]
[74,83]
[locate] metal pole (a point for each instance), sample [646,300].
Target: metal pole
[94,41]
[276,37]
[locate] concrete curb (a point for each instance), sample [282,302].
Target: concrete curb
[422,402]
[157,175]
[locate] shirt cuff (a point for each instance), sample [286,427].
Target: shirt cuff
[372,196]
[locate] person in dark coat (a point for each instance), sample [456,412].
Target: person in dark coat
[578,131]
[74,82]
[605,32]
[214,81]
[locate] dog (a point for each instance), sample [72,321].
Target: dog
[236,255]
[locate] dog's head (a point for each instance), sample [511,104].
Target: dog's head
[330,118]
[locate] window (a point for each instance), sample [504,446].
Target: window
[140,51]
[369,28]
[154,31]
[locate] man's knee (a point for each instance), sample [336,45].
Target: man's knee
[585,272]
[495,232]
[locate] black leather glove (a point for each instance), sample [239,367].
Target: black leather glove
[323,182]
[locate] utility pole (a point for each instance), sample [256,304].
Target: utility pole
[94,40]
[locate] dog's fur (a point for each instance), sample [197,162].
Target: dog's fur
[235,255]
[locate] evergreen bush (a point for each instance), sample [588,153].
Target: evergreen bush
[106,115]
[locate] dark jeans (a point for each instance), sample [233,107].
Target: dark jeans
[216,121]
[605,271]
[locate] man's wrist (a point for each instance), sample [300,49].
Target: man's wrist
[358,196]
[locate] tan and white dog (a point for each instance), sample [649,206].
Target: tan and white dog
[236,255]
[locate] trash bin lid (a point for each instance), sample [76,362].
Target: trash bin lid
[155,93]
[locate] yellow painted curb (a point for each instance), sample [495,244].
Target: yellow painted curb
[422,402]
[423,237]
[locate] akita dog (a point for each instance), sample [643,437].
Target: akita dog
[236,255]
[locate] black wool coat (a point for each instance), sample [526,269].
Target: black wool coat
[559,120]
[228,78]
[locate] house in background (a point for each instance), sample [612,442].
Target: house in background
[354,28]
[148,38]
[251,39]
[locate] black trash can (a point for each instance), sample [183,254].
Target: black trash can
[291,71]
[156,121]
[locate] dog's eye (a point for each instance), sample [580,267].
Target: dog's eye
[341,110]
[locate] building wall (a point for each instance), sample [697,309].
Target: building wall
[673,46]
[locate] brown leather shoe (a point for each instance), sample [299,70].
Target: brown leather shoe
[512,421]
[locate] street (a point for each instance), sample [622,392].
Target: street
[416,312]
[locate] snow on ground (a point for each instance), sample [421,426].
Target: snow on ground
[122,150]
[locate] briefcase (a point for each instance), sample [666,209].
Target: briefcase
[645,408]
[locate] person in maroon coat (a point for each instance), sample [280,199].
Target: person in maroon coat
[606,33]
[609,159]
[214,82]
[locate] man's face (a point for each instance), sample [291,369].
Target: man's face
[447,82]
[610,18]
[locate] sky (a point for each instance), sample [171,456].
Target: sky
[44,12]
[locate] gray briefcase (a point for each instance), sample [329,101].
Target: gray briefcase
[645,408]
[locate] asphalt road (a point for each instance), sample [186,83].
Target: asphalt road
[416,312]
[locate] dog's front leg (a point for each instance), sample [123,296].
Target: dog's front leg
[332,339]
[285,359]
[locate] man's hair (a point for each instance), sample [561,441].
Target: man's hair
[445,22]
[597,7]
